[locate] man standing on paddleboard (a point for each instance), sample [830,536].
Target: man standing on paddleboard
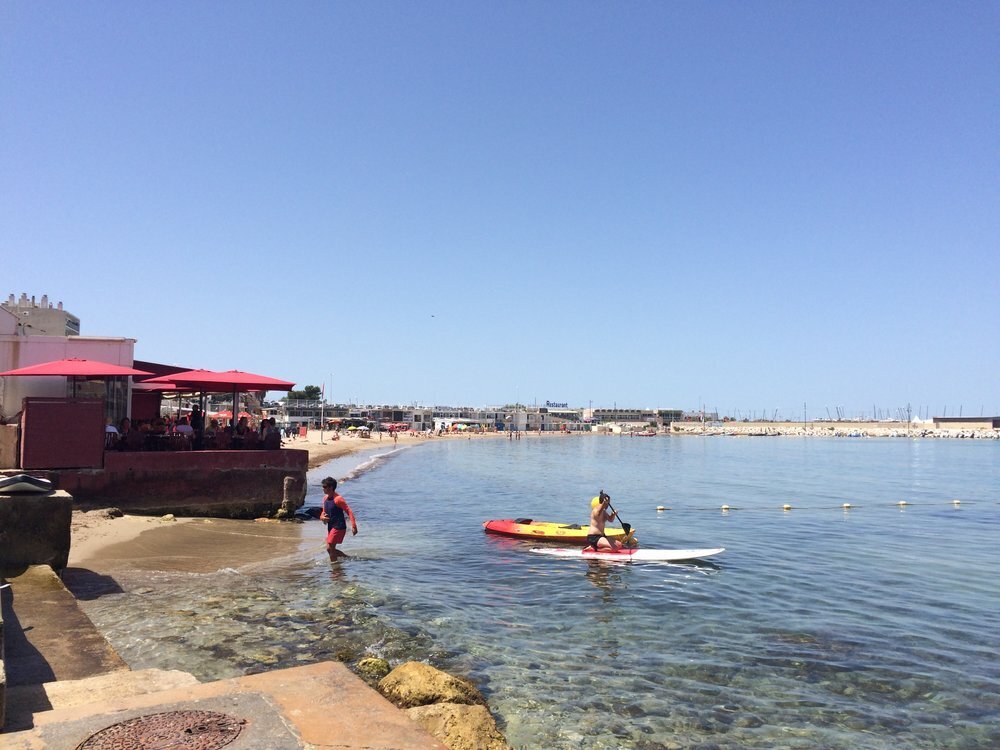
[334,508]
[599,516]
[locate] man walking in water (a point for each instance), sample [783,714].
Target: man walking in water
[334,508]
[599,516]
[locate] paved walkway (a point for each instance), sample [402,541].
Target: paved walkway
[65,683]
[319,706]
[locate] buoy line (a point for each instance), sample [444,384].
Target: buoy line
[845,506]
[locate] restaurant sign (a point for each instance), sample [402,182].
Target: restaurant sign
[554,405]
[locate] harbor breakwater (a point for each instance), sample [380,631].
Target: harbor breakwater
[833,429]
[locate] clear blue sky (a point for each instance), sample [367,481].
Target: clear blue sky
[654,204]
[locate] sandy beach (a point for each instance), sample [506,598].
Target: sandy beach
[96,532]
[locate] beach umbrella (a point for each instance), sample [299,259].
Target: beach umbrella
[211,381]
[155,387]
[227,414]
[75,367]
[230,381]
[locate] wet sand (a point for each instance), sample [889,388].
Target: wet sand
[194,545]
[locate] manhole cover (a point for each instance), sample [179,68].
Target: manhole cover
[173,730]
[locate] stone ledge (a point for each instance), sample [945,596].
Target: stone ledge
[25,701]
[35,529]
[320,705]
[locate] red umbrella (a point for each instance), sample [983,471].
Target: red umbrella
[223,382]
[226,414]
[75,367]
[154,387]
[233,381]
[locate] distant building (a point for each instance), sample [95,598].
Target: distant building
[42,318]
[510,417]
[624,416]
[699,416]
[967,423]
[31,343]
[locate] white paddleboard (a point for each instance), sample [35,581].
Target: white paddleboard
[661,555]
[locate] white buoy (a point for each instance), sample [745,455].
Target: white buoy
[786,506]
[660,508]
[901,503]
[956,502]
[725,508]
[846,506]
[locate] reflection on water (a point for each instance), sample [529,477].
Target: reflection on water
[604,579]
[816,628]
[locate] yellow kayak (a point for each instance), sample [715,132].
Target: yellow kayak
[526,528]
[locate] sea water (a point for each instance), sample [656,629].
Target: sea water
[873,626]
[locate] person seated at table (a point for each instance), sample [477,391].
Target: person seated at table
[251,440]
[158,426]
[130,438]
[183,428]
[242,427]
[111,434]
[271,435]
[224,439]
[209,437]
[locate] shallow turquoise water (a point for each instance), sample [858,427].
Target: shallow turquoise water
[874,627]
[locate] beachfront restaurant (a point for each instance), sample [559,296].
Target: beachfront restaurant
[62,431]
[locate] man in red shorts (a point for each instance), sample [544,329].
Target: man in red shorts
[334,510]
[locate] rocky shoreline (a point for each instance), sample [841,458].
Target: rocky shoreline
[105,542]
[837,429]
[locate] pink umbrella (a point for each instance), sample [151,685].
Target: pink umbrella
[235,381]
[75,367]
[223,382]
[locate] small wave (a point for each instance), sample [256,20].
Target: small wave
[371,464]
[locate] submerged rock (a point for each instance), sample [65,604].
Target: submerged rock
[373,667]
[417,684]
[459,726]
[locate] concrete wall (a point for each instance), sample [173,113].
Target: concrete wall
[221,484]
[35,529]
[62,433]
